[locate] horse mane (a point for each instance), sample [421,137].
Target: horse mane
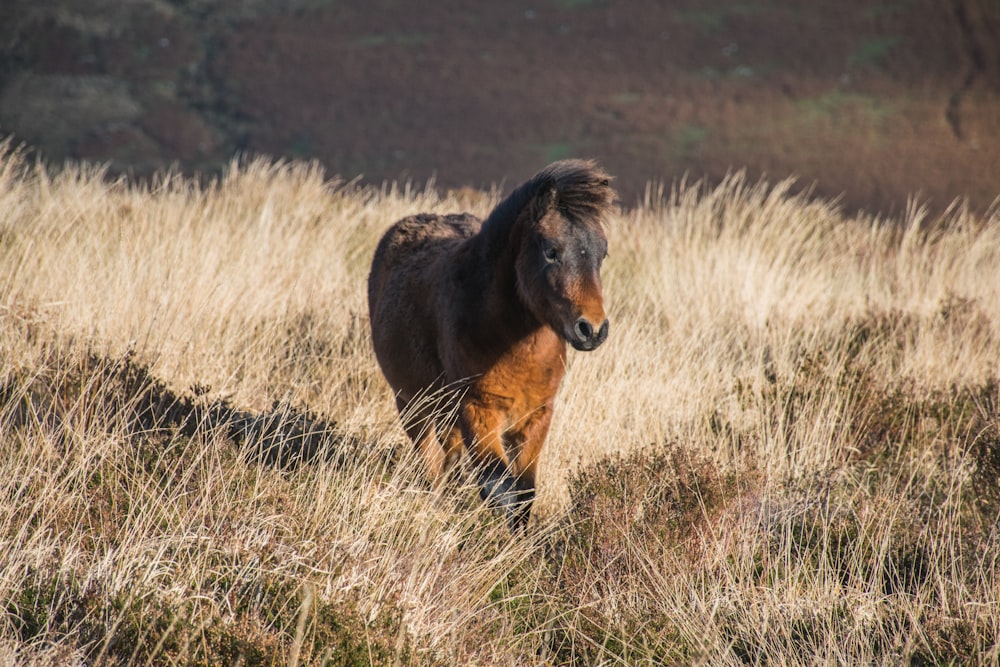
[583,194]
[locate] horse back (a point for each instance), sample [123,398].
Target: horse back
[406,287]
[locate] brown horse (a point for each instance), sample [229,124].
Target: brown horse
[471,318]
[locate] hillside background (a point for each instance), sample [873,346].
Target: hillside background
[869,102]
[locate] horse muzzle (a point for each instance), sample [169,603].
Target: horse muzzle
[585,337]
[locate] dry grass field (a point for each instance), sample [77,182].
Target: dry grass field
[786,453]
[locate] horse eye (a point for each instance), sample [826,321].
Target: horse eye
[551,254]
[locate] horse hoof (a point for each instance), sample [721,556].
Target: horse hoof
[500,490]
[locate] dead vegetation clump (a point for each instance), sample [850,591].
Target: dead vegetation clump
[787,452]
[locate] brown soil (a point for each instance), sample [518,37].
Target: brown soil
[869,102]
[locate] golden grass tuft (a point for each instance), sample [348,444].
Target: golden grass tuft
[787,452]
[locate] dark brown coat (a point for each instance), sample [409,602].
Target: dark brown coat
[470,321]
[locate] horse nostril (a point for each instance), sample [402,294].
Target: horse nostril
[603,333]
[584,329]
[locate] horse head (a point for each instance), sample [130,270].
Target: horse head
[559,261]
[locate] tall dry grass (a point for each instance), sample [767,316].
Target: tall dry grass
[786,453]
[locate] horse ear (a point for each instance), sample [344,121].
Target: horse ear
[547,200]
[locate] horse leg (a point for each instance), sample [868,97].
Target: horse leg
[525,447]
[420,428]
[482,429]
[452,443]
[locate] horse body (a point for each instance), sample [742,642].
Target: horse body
[479,312]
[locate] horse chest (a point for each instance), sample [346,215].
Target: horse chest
[523,380]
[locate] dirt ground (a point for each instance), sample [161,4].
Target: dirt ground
[869,102]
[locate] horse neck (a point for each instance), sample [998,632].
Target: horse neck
[498,300]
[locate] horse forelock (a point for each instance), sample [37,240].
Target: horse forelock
[583,190]
[583,193]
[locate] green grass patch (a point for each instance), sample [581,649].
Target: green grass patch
[688,139]
[839,104]
[884,9]
[712,20]
[627,97]
[873,51]
[379,40]
[559,150]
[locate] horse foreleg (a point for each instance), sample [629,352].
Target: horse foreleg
[525,446]
[482,430]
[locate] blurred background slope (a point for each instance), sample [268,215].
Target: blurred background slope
[869,102]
